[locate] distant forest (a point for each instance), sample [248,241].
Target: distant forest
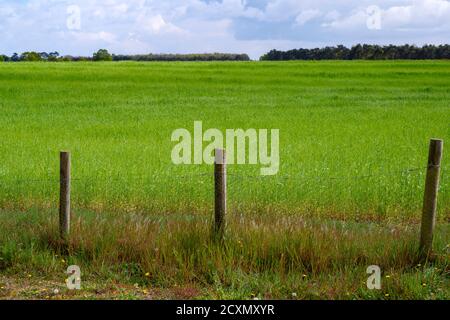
[357,52]
[104,55]
[363,52]
[183,57]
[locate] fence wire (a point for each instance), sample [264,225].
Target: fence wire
[379,174]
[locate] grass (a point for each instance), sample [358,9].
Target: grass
[344,198]
[263,256]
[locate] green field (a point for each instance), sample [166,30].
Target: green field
[353,150]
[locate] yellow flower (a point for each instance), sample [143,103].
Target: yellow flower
[63,261]
[388,276]
[386,295]
[424,284]
[147,274]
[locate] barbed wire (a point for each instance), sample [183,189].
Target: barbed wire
[383,173]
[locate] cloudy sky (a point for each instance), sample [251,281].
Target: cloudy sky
[238,26]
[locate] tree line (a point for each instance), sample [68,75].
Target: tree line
[363,52]
[104,55]
[183,57]
[340,52]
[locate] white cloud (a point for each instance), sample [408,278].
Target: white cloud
[280,9]
[106,37]
[307,15]
[355,20]
[424,13]
[6,11]
[156,25]
[414,14]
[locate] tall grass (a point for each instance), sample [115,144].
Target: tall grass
[267,256]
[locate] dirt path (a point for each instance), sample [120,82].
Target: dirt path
[27,287]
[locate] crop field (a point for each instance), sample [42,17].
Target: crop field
[353,154]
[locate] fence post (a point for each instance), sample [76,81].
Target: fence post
[220,190]
[64,194]
[430,197]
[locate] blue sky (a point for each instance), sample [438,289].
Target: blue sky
[238,26]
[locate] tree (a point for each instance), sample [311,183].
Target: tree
[44,55]
[15,57]
[65,58]
[30,56]
[53,56]
[365,52]
[102,55]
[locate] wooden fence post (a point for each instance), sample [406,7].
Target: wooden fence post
[64,195]
[220,190]
[430,197]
